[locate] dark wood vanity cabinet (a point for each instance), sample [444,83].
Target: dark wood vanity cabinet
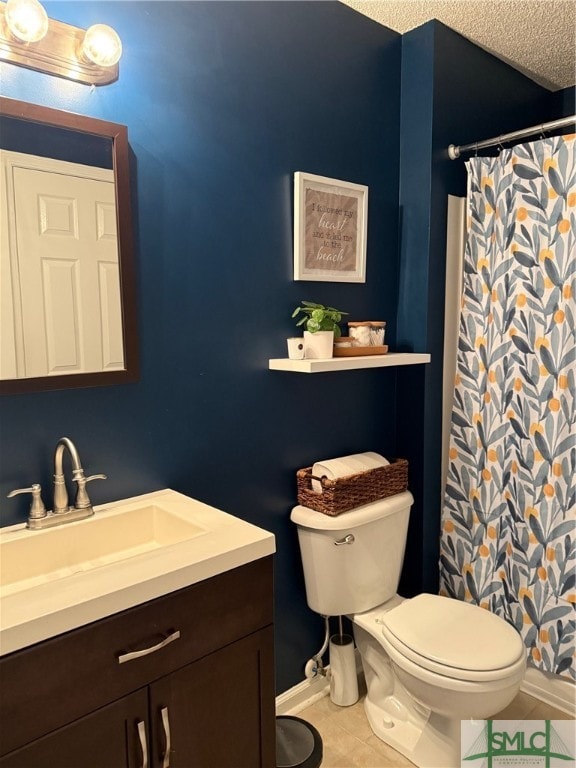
[108,737]
[205,699]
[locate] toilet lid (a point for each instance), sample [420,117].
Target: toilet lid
[453,634]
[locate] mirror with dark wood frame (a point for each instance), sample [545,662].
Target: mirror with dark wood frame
[95,143]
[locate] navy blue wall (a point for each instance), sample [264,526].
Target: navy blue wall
[452,93]
[223,103]
[57,143]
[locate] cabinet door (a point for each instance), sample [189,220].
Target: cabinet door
[218,712]
[112,737]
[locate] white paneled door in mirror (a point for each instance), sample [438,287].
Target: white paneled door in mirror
[60,255]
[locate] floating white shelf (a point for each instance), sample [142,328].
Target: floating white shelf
[347,363]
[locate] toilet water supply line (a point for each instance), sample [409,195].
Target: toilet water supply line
[315,665]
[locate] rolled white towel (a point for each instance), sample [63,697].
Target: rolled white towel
[374,459]
[345,466]
[332,469]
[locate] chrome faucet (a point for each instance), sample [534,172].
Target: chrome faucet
[60,492]
[62,513]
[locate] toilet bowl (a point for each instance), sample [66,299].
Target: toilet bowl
[429,661]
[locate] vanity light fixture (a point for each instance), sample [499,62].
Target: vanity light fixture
[101,46]
[27,20]
[28,38]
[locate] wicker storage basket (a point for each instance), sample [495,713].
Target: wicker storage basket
[349,492]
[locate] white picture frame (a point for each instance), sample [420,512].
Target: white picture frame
[330,229]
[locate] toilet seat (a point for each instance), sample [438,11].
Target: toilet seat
[453,639]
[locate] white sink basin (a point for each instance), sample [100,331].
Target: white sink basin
[36,557]
[129,552]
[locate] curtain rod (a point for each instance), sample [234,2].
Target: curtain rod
[454,151]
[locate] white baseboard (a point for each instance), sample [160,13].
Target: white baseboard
[303,694]
[557,691]
[307,692]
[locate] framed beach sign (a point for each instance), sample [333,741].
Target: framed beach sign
[330,226]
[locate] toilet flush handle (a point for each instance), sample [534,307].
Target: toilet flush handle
[349,539]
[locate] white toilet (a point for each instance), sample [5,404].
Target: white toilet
[429,661]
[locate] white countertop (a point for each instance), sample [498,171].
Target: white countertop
[38,611]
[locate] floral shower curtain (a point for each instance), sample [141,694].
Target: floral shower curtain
[508,525]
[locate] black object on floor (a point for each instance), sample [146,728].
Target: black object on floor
[298,743]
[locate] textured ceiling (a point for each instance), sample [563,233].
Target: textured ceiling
[538,37]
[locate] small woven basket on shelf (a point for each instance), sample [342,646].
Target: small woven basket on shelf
[352,491]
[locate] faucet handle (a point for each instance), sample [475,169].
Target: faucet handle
[37,508]
[82,500]
[96,477]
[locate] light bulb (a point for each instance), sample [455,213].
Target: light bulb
[27,20]
[102,45]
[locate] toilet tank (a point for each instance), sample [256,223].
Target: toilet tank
[352,562]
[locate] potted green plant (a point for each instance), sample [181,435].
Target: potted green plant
[321,327]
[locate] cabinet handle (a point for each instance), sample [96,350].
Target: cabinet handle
[151,649]
[143,745]
[168,746]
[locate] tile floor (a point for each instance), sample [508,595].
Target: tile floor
[349,742]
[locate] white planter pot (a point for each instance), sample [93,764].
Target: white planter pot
[319,345]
